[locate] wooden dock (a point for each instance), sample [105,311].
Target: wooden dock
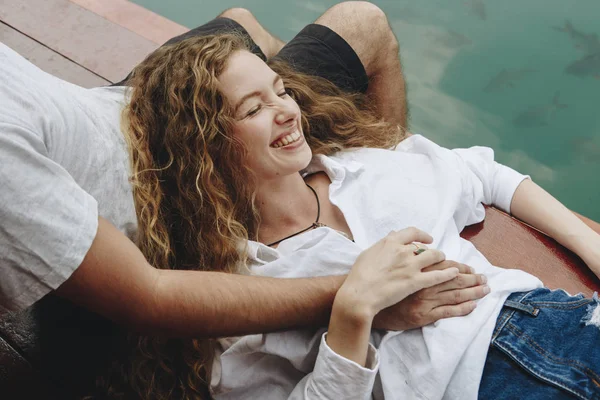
[86,42]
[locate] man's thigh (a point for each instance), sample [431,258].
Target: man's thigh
[217,26]
[318,50]
[214,27]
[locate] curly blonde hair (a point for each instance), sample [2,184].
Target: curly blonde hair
[194,196]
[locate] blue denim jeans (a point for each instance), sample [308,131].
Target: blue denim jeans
[546,345]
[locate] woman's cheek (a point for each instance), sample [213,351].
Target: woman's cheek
[245,130]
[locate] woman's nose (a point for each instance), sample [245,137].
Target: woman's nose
[285,112]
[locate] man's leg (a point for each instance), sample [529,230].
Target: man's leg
[361,54]
[353,46]
[269,44]
[365,27]
[237,20]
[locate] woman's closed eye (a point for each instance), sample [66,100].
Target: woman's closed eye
[254,110]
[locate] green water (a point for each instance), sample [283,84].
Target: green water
[452,51]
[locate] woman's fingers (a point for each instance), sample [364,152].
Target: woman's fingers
[458,296]
[462,281]
[449,311]
[428,279]
[409,235]
[416,245]
[464,269]
[428,258]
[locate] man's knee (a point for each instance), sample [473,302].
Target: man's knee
[373,22]
[369,11]
[366,28]
[237,14]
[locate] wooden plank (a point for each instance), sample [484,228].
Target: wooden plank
[136,18]
[48,60]
[509,243]
[107,49]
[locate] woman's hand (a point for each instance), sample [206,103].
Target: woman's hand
[390,271]
[454,298]
[382,275]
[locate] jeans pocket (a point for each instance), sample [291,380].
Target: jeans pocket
[551,338]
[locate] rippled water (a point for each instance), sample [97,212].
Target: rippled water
[520,76]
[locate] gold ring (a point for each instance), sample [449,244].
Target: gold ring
[418,250]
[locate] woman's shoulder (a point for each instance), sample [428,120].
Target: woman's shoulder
[414,144]
[417,143]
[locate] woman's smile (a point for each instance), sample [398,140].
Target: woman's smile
[272,135]
[290,140]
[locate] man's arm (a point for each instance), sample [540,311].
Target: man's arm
[116,281]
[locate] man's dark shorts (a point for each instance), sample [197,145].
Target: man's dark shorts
[316,50]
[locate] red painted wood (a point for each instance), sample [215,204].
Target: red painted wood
[509,243]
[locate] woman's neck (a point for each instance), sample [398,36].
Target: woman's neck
[285,205]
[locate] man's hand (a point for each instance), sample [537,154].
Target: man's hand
[454,298]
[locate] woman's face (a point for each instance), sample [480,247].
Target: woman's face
[267,118]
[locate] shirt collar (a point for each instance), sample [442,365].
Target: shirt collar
[337,168]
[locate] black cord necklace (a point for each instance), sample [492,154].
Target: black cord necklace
[314,225]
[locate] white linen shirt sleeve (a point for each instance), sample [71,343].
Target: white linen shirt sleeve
[47,221]
[335,377]
[485,181]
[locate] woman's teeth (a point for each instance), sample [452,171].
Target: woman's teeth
[288,139]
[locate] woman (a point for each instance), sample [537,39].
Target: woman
[232,168]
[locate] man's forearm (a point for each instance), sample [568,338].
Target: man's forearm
[190,303]
[116,281]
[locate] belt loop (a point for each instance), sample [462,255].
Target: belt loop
[529,309]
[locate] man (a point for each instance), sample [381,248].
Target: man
[67,215]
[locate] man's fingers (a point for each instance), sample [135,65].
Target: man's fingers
[458,296]
[409,235]
[458,310]
[462,268]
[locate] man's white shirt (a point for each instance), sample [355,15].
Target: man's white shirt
[63,163]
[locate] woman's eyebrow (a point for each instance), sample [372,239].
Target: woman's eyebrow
[254,94]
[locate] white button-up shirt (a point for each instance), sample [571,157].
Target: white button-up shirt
[420,184]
